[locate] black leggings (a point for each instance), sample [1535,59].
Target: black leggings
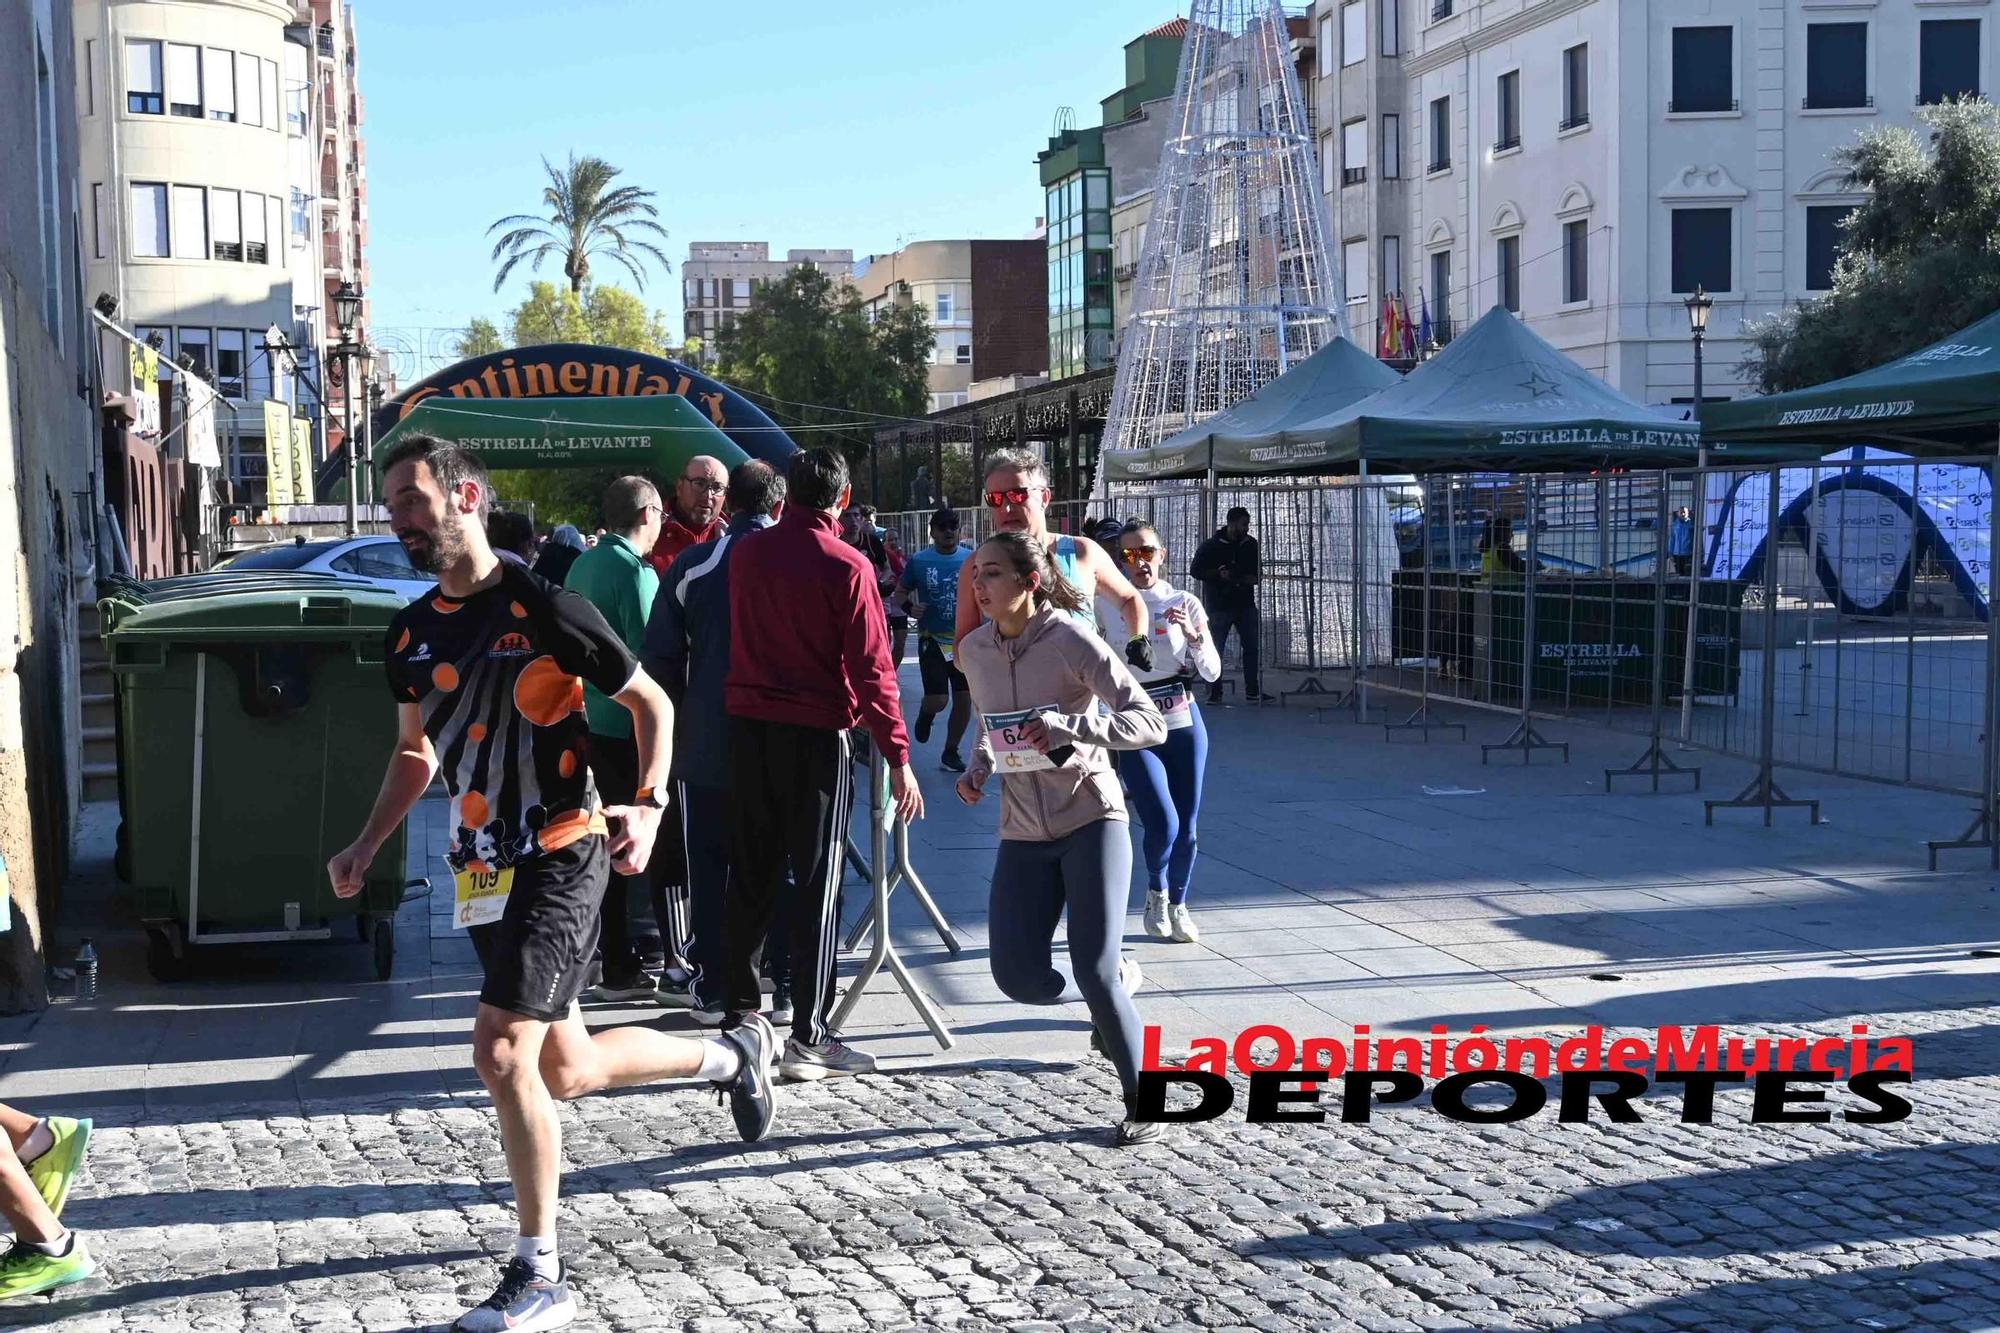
[1090,873]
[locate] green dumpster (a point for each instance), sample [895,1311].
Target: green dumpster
[253,724]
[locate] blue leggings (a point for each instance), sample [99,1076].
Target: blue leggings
[1165,786]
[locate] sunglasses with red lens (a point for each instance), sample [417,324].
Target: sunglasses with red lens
[1132,555]
[1017,496]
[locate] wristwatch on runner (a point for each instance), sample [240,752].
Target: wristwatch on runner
[650,796]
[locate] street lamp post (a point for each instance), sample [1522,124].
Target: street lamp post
[346,310]
[372,406]
[1698,307]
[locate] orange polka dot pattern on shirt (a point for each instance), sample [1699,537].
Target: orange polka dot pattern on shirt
[498,680]
[546,694]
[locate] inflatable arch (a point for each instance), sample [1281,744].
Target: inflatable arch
[572,404]
[1873,532]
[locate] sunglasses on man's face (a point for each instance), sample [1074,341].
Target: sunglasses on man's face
[1135,554]
[1017,496]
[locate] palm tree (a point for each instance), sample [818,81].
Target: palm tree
[586,217]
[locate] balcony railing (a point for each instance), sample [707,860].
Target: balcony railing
[1944,95]
[1571,122]
[1510,142]
[1821,104]
[1689,107]
[1439,164]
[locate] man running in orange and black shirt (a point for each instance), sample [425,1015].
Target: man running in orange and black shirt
[488,674]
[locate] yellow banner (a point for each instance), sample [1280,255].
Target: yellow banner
[302,462]
[278,475]
[145,390]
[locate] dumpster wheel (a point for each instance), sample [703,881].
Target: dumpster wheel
[166,956]
[385,948]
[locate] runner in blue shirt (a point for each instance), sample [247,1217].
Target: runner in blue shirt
[929,588]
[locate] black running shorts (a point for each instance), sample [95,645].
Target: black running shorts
[538,955]
[940,676]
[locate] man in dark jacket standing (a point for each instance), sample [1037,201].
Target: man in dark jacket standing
[1227,567]
[686,649]
[808,663]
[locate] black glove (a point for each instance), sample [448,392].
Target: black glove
[1139,652]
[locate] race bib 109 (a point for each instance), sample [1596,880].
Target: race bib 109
[479,897]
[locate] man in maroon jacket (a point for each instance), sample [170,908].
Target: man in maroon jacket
[808,663]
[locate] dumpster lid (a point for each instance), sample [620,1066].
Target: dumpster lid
[267,606]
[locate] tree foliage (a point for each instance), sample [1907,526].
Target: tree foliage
[1919,258]
[601,316]
[480,338]
[588,217]
[808,353]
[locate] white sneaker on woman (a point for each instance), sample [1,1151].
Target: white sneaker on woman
[1181,922]
[1156,916]
[1129,975]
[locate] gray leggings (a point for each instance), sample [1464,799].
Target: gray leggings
[1090,872]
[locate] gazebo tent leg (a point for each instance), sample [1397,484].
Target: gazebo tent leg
[1653,762]
[1525,738]
[1764,793]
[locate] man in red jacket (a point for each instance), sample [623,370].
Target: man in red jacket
[694,515]
[808,663]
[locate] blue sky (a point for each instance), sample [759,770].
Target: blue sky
[856,125]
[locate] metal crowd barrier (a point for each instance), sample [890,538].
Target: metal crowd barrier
[887,867]
[1830,617]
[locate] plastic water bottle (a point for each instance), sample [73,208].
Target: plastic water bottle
[86,972]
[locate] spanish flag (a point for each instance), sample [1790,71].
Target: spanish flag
[1389,343]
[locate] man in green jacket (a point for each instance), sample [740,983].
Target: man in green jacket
[614,577]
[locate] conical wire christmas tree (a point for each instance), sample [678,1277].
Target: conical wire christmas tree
[1235,281]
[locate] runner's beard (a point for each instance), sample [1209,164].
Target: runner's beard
[433,553]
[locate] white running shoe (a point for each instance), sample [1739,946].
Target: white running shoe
[1156,916]
[1129,975]
[1182,922]
[523,1303]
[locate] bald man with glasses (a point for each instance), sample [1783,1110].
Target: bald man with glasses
[695,514]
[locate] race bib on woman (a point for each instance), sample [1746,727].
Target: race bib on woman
[1171,697]
[1011,751]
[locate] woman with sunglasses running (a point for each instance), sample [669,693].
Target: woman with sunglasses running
[1164,782]
[1017,500]
[1038,678]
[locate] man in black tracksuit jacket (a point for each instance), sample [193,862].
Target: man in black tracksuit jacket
[686,649]
[1227,567]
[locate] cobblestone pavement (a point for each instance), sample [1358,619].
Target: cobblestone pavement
[285,1143]
[988,1197]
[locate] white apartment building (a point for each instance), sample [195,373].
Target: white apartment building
[718,278]
[1589,162]
[201,153]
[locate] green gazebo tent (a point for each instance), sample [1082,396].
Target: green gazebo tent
[1250,434]
[658,431]
[1498,398]
[1944,398]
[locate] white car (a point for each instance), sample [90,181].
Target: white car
[375,559]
